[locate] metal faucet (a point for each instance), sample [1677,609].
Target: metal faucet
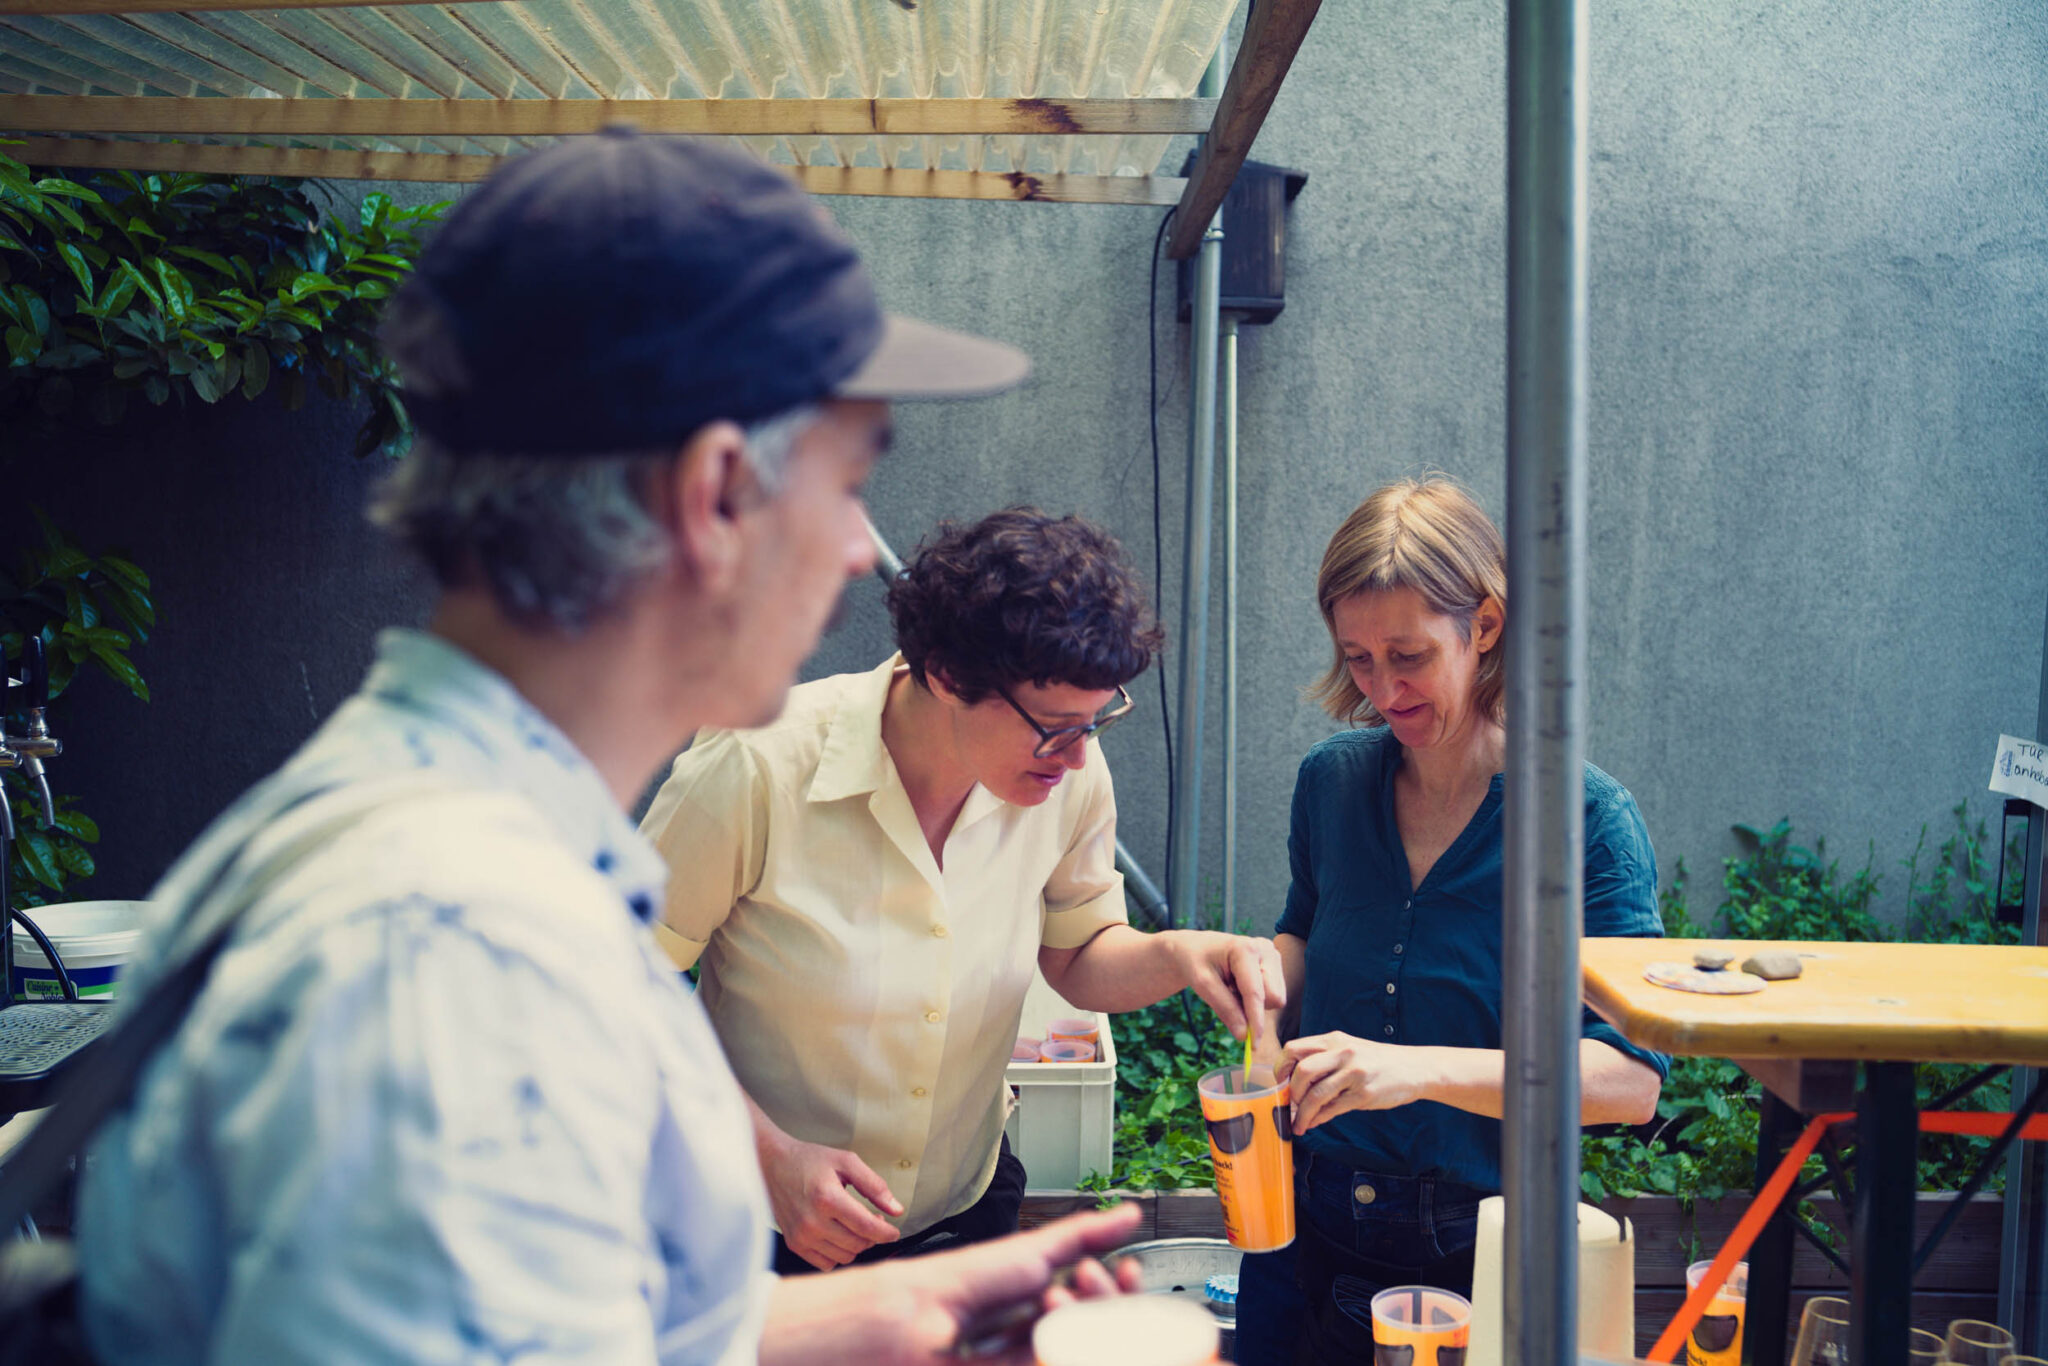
[27,752]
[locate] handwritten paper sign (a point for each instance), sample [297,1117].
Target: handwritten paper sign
[2020,769]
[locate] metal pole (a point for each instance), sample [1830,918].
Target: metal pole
[1546,642]
[1143,892]
[2023,1267]
[1230,624]
[1194,577]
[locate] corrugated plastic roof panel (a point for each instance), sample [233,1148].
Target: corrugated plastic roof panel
[658,49]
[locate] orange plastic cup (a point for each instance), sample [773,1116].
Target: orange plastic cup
[1419,1325]
[1253,1144]
[1065,1050]
[1076,1030]
[1716,1340]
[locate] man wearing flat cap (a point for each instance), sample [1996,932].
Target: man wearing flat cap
[442,1098]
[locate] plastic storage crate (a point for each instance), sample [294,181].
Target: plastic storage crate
[1065,1112]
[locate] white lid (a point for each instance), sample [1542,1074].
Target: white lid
[75,922]
[1127,1330]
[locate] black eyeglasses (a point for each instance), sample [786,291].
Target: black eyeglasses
[1061,738]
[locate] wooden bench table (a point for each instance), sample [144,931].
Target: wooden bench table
[1884,1007]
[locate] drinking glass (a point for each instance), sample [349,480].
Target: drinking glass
[2022,1361]
[1824,1333]
[1924,1348]
[1973,1342]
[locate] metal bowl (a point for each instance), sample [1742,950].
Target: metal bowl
[1183,1266]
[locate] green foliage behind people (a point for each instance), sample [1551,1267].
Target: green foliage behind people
[177,285]
[89,611]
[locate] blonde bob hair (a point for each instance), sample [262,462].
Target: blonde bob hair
[1429,535]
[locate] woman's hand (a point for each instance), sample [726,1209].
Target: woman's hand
[1329,1074]
[820,1218]
[1240,976]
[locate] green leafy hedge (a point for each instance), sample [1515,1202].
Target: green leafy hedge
[178,285]
[89,611]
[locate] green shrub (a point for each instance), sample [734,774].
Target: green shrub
[1161,1052]
[178,285]
[89,611]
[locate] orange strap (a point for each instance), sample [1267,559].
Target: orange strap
[1980,1123]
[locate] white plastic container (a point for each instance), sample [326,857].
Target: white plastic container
[94,938]
[1060,1126]
[1607,1286]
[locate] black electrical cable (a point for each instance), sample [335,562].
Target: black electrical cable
[1158,543]
[1159,570]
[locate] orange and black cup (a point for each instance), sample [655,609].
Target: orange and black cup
[1253,1144]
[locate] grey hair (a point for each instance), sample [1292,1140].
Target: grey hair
[558,540]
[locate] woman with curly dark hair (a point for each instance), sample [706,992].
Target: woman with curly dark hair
[867,884]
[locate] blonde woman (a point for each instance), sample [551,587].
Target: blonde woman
[1390,941]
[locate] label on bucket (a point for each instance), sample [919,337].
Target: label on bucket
[40,984]
[50,989]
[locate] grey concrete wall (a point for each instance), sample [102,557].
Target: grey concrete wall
[1820,334]
[1819,294]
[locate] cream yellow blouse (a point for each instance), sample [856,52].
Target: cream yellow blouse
[866,997]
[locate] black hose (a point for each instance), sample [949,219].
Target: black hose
[49,952]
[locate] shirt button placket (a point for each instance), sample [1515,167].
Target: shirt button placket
[1394,968]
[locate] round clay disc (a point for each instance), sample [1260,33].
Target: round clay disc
[1686,977]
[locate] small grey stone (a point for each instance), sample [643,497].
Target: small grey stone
[1712,960]
[1774,965]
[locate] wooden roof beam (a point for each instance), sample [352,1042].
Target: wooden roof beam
[1272,36]
[314,163]
[55,7]
[298,117]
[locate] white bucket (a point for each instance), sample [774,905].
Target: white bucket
[94,938]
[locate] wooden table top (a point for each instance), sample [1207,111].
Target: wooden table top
[1879,1002]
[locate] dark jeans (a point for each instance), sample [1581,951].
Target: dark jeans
[992,1216]
[1356,1233]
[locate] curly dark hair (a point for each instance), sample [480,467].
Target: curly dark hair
[1022,597]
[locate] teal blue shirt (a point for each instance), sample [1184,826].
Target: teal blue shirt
[1424,967]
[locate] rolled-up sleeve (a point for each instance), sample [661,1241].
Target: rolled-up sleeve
[710,822]
[1299,915]
[1621,899]
[1085,894]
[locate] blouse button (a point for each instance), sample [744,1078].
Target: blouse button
[904,1163]
[919,1092]
[932,1016]
[1364,1194]
[938,931]
[1387,1030]
[1390,988]
[1399,947]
